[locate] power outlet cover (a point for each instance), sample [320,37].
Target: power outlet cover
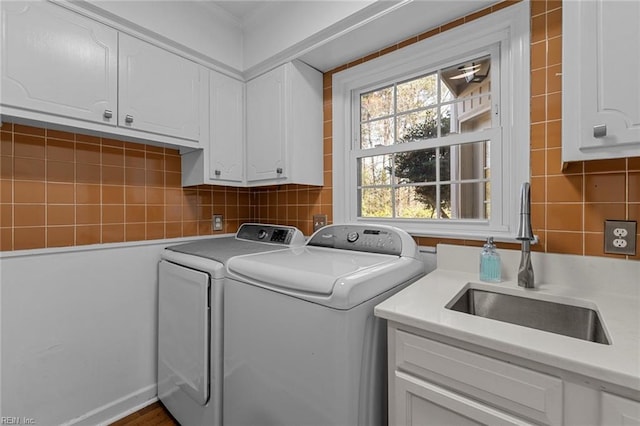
[217,222]
[620,237]
[319,220]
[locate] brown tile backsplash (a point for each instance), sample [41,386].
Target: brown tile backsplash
[62,189]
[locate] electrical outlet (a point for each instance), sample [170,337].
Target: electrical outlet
[620,237]
[319,220]
[217,222]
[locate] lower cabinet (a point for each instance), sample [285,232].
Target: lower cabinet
[433,383]
[418,402]
[617,410]
[455,382]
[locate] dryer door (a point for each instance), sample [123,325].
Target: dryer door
[183,332]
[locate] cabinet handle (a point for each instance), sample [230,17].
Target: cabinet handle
[600,131]
[128,118]
[107,113]
[217,172]
[279,170]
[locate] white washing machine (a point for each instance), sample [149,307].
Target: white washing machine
[190,306]
[301,343]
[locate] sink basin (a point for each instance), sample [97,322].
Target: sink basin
[568,320]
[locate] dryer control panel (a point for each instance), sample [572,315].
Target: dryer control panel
[274,234]
[368,238]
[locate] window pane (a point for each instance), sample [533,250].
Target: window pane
[374,133]
[375,170]
[446,182]
[376,104]
[416,166]
[418,93]
[466,79]
[445,120]
[466,161]
[375,202]
[417,126]
[465,200]
[468,115]
[416,202]
[446,94]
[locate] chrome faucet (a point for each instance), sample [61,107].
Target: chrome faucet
[525,235]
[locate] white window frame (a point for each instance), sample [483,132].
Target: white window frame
[509,28]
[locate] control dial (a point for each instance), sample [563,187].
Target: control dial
[352,237]
[262,234]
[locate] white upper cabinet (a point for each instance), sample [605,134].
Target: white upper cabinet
[266,111]
[601,79]
[59,62]
[160,92]
[284,126]
[226,129]
[282,114]
[221,161]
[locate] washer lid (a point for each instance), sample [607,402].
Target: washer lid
[306,270]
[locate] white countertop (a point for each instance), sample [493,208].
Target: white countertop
[609,286]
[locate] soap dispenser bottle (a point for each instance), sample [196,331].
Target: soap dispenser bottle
[490,263]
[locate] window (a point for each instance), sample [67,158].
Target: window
[433,138]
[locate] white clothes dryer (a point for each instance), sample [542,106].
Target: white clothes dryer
[301,343]
[190,305]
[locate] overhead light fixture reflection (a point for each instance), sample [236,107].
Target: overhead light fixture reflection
[470,73]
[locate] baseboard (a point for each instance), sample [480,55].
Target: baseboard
[117,409]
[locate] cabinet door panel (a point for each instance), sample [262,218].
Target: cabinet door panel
[422,403]
[601,79]
[159,92]
[266,143]
[616,71]
[58,62]
[526,392]
[226,128]
[619,411]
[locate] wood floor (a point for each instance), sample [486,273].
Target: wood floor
[152,415]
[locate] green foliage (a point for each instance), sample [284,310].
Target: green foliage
[420,166]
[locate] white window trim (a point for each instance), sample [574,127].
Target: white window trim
[510,27]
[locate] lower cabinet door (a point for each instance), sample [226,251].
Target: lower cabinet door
[418,402]
[619,411]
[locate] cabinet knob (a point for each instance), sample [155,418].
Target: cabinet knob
[128,118]
[600,131]
[217,172]
[107,113]
[279,170]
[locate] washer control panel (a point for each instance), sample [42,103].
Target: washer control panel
[274,234]
[368,238]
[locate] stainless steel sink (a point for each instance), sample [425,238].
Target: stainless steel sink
[568,320]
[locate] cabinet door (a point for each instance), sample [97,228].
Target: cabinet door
[601,79]
[266,126]
[58,62]
[418,402]
[226,134]
[619,411]
[159,92]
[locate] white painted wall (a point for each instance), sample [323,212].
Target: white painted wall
[78,332]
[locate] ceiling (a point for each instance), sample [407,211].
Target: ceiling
[241,10]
